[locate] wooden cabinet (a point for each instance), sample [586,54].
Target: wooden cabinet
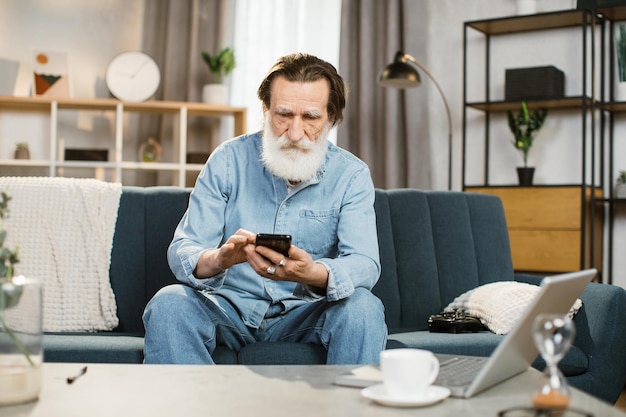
[546,227]
[119,162]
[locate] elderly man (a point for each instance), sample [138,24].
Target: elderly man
[287,179]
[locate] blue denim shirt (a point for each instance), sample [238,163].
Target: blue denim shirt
[331,217]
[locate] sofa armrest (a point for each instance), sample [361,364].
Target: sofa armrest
[601,335]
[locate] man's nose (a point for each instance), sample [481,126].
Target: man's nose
[296,130]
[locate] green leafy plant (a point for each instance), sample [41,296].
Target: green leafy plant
[10,291]
[21,145]
[621,178]
[524,126]
[220,64]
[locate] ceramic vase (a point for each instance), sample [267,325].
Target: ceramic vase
[620,91]
[215,94]
[150,151]
[525,7]
[22,153]
[620,190]
[21,329]
[525,176]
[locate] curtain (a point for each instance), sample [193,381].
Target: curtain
[174,34]
[386,128]
[269,29]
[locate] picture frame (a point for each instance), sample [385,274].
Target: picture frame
[50,74]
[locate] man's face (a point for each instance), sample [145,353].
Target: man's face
[298,110]
[296,129]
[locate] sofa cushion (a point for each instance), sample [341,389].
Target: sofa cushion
[93,348]
[144,229]
[127,270]
[474,344]
[165,207]
[434,246]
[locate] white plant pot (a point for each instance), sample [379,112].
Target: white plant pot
[215,94]
[620,91]
[526,7]
[620,190]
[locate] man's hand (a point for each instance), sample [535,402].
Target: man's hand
[298,267]
[214,261]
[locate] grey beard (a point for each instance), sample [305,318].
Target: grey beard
[293,164]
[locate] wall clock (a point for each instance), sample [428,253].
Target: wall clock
[133,76]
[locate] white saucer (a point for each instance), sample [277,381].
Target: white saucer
[378,393]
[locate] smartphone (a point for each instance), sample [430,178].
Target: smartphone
[279,243]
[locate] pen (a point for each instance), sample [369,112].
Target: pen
[71,379]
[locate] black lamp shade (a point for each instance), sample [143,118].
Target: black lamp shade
[399,74]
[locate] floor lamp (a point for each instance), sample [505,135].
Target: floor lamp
[400,74]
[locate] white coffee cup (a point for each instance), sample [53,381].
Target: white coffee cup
[407,373]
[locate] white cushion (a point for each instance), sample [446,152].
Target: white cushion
[498,305]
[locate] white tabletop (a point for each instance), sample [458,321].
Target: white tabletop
[248,391]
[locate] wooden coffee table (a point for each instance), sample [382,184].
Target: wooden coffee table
[247,391]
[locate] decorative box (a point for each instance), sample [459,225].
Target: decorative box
[86,154]
[593,4]
[197,157]
[536,83]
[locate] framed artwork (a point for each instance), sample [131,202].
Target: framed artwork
[50,74]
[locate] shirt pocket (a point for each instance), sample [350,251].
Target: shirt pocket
[317,232]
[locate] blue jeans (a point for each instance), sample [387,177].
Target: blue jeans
[184,326]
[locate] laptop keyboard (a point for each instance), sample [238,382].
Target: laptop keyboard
[459,371]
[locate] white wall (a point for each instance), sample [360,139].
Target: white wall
[91,32]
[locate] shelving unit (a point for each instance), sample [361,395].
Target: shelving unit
[55,163]
[532,239]
[613,107]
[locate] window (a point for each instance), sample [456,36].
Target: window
[268,29]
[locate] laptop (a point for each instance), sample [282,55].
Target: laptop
[513,355]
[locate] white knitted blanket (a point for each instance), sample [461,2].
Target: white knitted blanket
[64,229]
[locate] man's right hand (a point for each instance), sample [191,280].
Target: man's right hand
[214,261]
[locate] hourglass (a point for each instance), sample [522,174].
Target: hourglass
[553,334]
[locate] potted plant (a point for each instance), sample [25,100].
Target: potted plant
[220,65]
[524,125]
[620,185]
[22,151]
[20,326]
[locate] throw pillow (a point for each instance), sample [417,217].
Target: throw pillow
[498,305]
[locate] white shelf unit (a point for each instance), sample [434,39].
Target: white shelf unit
[55,163]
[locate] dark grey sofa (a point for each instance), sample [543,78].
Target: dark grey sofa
[433,245]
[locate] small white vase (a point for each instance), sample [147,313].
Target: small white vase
[620,91]
[525,7]
[620,190]
[215,94]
